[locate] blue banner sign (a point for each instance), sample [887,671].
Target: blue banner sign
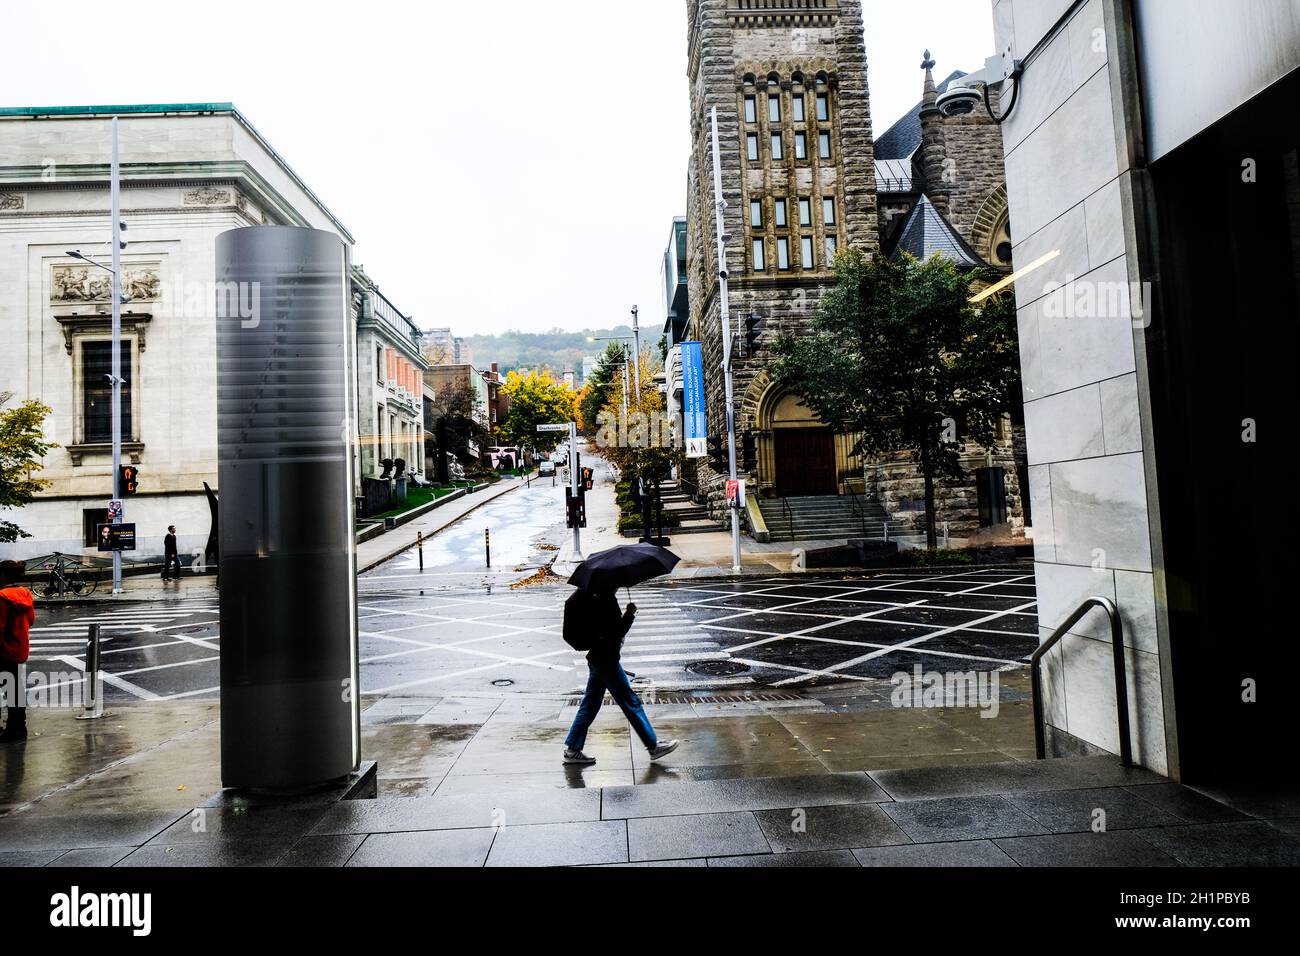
[693,420]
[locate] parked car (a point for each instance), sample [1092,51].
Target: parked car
[546,468]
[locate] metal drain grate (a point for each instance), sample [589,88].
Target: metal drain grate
[717,668]
[646,693]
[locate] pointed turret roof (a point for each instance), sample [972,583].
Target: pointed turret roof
[926,232]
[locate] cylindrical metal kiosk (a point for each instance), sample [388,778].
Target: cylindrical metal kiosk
[289,705]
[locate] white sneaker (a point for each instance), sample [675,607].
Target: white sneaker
[577,757]
[663,749]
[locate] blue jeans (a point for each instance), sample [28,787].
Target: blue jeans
[602,675]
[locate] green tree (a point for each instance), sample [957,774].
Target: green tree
[536,399]
[605,383]
[22,446]
[898,353]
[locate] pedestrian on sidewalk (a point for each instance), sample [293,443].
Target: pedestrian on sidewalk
[171,556]
[596,615]
[17,614]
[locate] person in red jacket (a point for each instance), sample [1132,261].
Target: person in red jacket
[17,613]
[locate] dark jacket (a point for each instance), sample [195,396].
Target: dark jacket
[600,617]
[169,545]
[17,614]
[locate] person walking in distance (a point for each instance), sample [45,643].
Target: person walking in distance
[171,557]
[17,613]
[593,622]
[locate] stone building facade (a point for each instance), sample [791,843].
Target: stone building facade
[189,173]
[799,176]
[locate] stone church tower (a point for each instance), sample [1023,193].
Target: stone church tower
[789,83]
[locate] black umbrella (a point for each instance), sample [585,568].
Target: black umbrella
[623,567]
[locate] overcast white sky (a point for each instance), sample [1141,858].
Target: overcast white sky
[506,164]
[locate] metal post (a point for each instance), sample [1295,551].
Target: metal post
[419,544]
[115,210]
[636,345]
[573,484]
[724,319]
[92,696]
[487,545]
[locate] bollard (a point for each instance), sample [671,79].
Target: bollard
[487,545]
[419,543]
[92,696]
[945,534]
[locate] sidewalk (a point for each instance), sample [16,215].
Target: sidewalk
[754,789]
[372,553]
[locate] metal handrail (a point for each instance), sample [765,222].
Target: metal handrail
[788,514]
[1121,682]
[856,506]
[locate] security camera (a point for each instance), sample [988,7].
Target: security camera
[959,101]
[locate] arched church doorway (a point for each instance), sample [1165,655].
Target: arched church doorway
[803,451]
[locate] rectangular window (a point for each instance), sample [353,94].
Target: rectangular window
[774,109]
[751,147]
[800,145]
[807,252]
[780,213]
[760,256]
[379,364]
[751,110]
[97,392]
[830,249]
[91,519]
[823,107]
[798,109]
[805,211]
[783,253]
[756,213]
[824,145]
[777,151]
[828,210]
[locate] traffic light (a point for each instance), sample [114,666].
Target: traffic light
[588,479]
[754,325]
[128,479]
[719,454]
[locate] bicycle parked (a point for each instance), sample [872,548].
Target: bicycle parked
[67,576]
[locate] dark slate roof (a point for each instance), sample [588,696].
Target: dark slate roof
[903,139]
[926,232]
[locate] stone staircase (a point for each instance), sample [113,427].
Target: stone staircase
[822,518]
[694,517]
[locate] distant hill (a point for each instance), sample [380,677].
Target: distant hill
[556,350]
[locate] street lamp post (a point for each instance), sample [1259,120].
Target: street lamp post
[636,350]
[724,316]
[115,205]
[116,299]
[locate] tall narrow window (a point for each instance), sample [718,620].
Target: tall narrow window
[783,253]
[797,104]
[807,252]
[751,147]
[777,151]
[97,391]
[751,110]
[805,211]
[780,214]
[801,145]
[774,108]
[823,106]
[756,213]
[760,256]
[830,249]
[828,210]
[824,145]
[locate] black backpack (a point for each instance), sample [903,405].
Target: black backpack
[578,632]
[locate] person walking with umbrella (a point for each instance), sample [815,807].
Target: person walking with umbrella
[594,622]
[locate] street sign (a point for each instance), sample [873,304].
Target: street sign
[553,428]
[735,492]
[115,509]
[693,417]
[116,537]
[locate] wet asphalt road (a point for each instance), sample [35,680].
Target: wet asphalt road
[781,633]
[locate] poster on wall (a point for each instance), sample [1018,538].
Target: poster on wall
[693,421]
